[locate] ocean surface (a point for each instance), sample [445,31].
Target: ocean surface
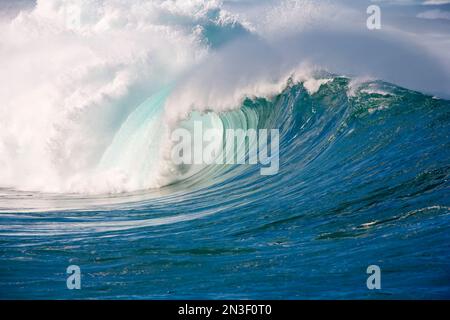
[363,175]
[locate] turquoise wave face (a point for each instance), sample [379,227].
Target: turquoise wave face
[363,180]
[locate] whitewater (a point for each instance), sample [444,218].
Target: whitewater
[75,74]
[91,92]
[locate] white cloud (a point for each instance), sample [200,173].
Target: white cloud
[436,2]
[434,14]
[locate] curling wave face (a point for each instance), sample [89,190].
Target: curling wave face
[90,91]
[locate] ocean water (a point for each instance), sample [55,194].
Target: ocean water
[363,175]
